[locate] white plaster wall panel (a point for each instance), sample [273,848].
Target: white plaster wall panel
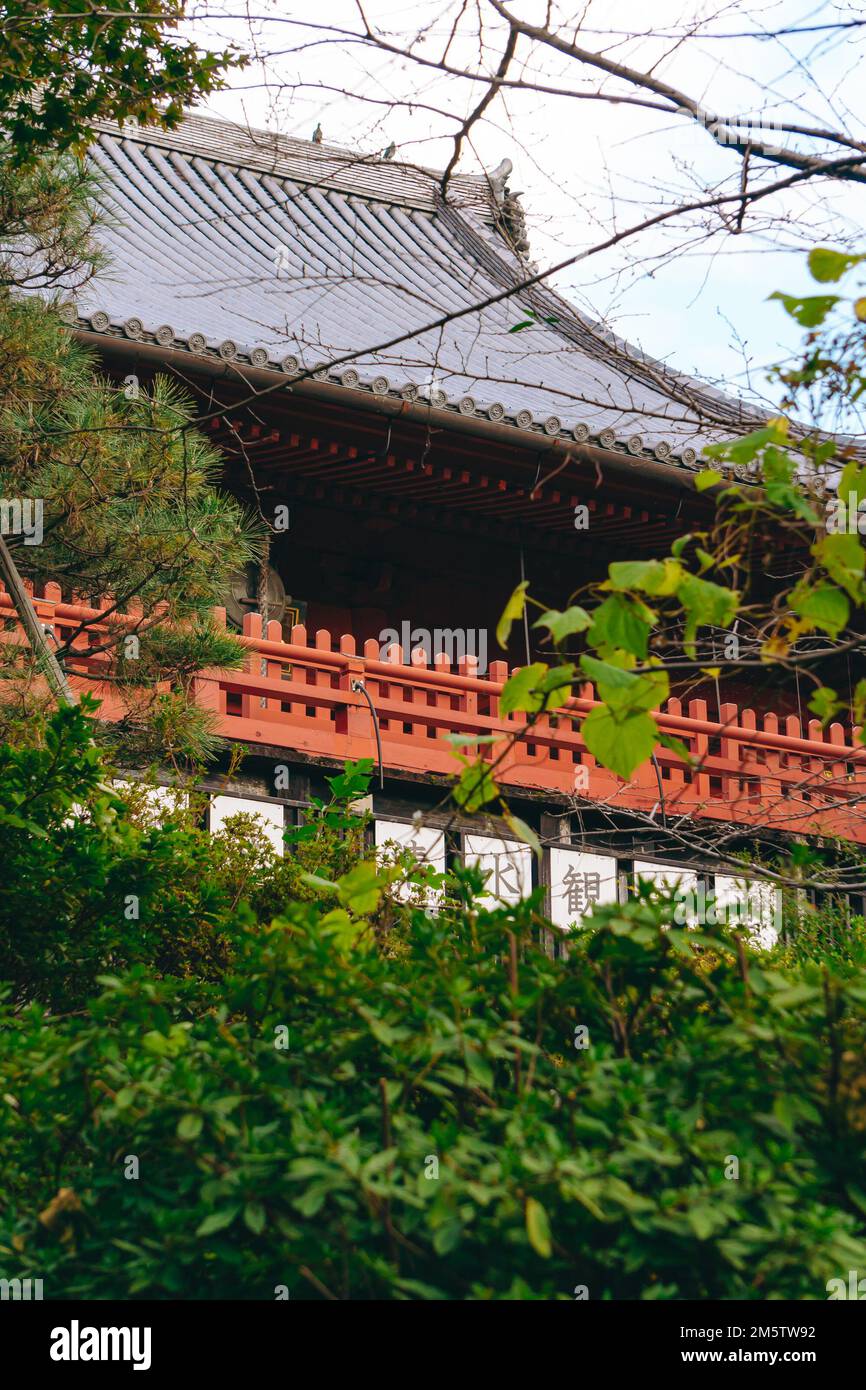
[268,813]
[508,864]
[160,802]
[425,843]
[675,879]
[577,880]
[753,903]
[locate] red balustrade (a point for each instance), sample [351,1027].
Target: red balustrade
[298,696]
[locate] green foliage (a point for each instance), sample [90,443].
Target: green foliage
[65,64]
[364,1099]
[799,486]
[131,506]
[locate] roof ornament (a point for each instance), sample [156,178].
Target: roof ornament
[511,219]
[317,134]
[498,178]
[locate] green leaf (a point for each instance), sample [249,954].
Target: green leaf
[624,692]
[538,1228]
[701,1221]
[677,746]
[512,613]
[475,788]
[824,704]
[619,744]
[828,266]
[822,605]
[254,1217]
[519,693]
[562,625]
[217,1221]
[748,446]
[621,623]
[809,311]
[658,578]
[537,687]
[844,559]
[361,888]
[189,1126]
[705,604]
[523,832]
[447,1236]
[710,477]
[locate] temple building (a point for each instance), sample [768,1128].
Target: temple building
[421,438]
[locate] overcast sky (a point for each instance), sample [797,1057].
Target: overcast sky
[583,166]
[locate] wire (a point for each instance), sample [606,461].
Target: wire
[362,689]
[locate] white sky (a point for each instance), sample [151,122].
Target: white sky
[586,167]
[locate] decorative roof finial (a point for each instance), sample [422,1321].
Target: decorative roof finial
[498,176]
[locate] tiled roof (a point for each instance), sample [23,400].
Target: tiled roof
[286,254]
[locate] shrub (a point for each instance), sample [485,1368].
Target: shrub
[665,1114]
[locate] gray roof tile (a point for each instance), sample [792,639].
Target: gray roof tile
[278,247]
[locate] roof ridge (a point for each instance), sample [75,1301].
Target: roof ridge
[335,167]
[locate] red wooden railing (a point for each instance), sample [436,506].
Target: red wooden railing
[298,696]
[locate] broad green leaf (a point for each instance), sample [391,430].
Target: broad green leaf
[710,477]
[822,605]
[562,625]
[810,311]
[217,1221]
[706,605]
[447,1237]
[701,1221]
[518,693]
[538,1228]
[852,481]
[475,788]
[658,578]
[677,746]
[828,266]
[512,613]
[523,832]
[824,703]
[361,889]
[748,446]
[624,692]
[844,559]
[345,931]
[189,1126]
[537,687]
[254,1217]
[619,744]
[621,623]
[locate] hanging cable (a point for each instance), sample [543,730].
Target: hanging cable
[360,687]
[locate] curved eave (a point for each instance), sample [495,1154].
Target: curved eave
[626,456]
